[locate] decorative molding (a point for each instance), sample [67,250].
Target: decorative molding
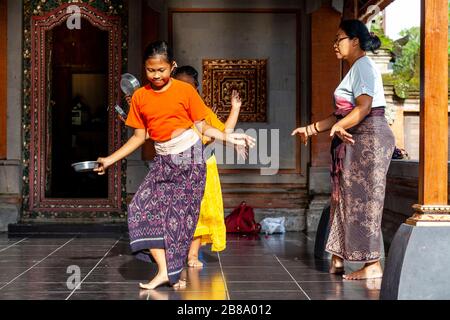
[248,77]
[431,209]
[430,215]
[40,17]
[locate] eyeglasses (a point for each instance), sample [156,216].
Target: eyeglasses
[337,41]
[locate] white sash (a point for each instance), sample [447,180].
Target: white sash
[177,145]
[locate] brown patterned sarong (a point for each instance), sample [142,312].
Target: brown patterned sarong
[358,176]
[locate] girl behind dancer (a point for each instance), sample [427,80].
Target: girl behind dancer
[211,225]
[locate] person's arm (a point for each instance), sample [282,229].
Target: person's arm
[236,104]
[315,128]
[362,110]
[135,141]
[233,138]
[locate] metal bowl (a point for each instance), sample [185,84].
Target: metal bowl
[85,166]
[129,84]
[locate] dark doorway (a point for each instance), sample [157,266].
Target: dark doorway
[78,120]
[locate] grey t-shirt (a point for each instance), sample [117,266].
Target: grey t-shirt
[363,77]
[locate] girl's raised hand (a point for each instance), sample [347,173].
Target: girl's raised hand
[303,134]
[241,139]
[236,101]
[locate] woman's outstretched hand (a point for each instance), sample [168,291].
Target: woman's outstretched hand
[104,163]
[342,134]
[303,134]
[240,139]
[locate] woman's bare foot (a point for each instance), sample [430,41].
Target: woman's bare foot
[370,270]
[337,265]
[181,284]
[157,281]
[194,263]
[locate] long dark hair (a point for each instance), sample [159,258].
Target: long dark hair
[188,70]
[356,29]
[159,48]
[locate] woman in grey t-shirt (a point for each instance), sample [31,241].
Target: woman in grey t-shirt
[361,151]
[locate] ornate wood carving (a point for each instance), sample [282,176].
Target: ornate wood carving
[221,77]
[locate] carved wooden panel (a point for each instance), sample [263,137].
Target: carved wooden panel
[221,77]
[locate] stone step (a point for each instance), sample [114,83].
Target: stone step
[269,196]
[53,229]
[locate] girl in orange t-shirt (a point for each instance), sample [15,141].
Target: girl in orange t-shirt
[164,211]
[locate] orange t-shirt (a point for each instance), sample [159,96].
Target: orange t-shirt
[161,113]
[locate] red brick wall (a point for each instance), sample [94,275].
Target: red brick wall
[3,77]
[325,76]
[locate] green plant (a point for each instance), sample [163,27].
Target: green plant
[407,63]
[406,51]
[386,42]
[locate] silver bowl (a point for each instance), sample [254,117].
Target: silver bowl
[85,166]
[129,84]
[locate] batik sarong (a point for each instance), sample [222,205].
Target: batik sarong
[164,211]
[358,176]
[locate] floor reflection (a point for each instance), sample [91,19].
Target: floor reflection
[274,267]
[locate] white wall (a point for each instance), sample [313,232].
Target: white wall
[269,36]
[401,14]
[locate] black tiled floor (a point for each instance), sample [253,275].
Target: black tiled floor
[276,267]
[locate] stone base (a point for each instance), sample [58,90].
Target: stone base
[9,210]
[314,212]
[417,264]
[9,213]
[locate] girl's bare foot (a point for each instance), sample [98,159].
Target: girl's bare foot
[337,265]
[371,270]
[181,284]
[194,263]
[155,282]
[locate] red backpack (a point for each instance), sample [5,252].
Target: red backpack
[242,220]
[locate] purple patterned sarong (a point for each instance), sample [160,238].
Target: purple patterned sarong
[164,211]
[358,177]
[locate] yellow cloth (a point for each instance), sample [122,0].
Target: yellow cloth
[211,225]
